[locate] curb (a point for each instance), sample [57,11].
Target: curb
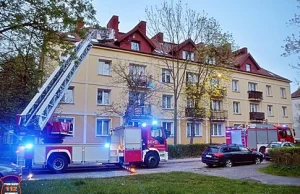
[183,160]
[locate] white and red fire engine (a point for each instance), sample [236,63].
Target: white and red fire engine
[42,138]
[258,136]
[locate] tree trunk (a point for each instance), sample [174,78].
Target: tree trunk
[175,120]
[192,133]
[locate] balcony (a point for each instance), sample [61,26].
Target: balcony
[195,113]
[255,95]
[138,111]
[138,81]
[218,92]
[220,115]
[257,116]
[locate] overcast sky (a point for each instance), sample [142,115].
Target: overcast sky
[259,25]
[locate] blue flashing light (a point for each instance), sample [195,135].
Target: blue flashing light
[144,124]
[154,122]
[29,146]
[106,145]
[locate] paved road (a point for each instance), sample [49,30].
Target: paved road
[244,172]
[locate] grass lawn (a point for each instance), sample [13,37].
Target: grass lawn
[170,183]
[281,170]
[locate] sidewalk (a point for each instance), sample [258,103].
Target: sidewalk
[183,160]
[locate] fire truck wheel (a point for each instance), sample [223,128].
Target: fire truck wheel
[257,160]
[58,163]
[151,160]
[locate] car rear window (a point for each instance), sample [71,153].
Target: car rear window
[212,150]
[274,145]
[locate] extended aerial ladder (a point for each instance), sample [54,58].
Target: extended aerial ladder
[38,112]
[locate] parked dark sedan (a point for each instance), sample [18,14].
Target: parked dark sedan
[228,155]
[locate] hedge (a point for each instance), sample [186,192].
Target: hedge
[186,150]
[286,156]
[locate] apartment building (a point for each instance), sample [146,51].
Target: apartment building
[296,113]
[99,99]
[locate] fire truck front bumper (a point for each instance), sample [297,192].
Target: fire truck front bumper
[163,156]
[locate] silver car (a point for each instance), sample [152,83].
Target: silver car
[10,169]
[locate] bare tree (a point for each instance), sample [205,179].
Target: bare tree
[182,28]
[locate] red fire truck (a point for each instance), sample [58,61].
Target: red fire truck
[42,137]
[257,136]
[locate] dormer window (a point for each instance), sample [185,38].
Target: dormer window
[248,67]
[187,55]
[135,45]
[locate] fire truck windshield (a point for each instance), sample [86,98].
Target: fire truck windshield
[156,132]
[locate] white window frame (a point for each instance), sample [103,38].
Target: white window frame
[188,55]
[166,73]
[190,103]
[248,67]
[172,126]
[137,70]
[109,95]
[270,113]
[235,85]
[216,105]
[73,122]
[135,45]
[268,90]
[109,126]
[189,129]
[210,60]
[282,92]
[236,106]
[165,97]
[68,93]
[192,78]
[104,67]
[217,130]
[284,111]
[256,107]
[252,86]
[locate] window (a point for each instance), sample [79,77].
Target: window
[282,93]
[236,108]
[169,127]
[190,103]
[252,86]
[214,82]
[133,123]
[210,60]
[248,67]
[103,97]
[284,111]
[270,110]
[243,149]
[137,70]
[216,129]
[268,90]
[192,78]
[253,107]
[68,98]
[102,127]
[196,127]
[166,76]
[137,98]
[216,105]
[135,45]
[235,85]
[104,67]
[70,121]
[156,133]
[167,101]
[186,55]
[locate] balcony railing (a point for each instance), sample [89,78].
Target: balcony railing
[138,110]
[255,95]
[257,116]
[197,113]
[141,81]
[219,115]
[218,92]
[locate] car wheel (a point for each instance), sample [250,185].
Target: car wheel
[58,163]
[228,163]
[152,160]
[257,160]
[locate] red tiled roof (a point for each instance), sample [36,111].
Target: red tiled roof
[296,94]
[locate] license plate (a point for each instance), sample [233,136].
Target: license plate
[208,156]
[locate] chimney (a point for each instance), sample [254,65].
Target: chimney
[80,23]
[142,27]
[244,51]
[114,24]
[159,37]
